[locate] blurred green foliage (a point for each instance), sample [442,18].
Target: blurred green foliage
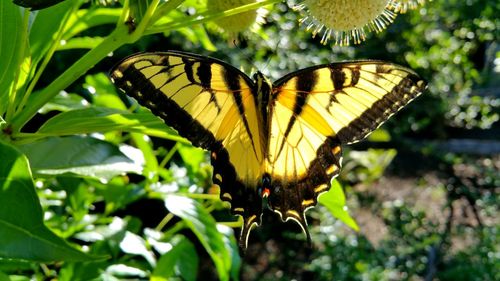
[137,200]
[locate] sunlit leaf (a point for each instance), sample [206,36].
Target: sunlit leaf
[45,26]
[85,19]
[10,48]
[136,245]
[100,119]
[203,226]
[192,156]
[181,260]
[334,201]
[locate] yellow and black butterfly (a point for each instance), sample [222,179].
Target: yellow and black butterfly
[280,141]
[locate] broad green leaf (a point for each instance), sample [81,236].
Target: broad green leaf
[181,260]
[334,201]
[23,234]
[36,4]
[97,119]
[232,246]
[203,225]
[85,156]
[11,35]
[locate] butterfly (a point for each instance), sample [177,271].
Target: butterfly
[276,144]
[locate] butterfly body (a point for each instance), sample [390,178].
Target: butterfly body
[282,140]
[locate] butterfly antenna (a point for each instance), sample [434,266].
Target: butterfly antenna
[247,59]
[275,50]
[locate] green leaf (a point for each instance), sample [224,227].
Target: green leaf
[204,227]
[380,135]
[334,201]
[137,9]
[85,156]
[135,245]
[64,102]
[192,157]
[10,46]
[37,4]
[103,91]
[181,260]
[44,28]
[24,236]
[84,19]
[4,277]
[99,119]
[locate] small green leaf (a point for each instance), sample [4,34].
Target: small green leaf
[23,234]
[334,201]
[136,245]
[104,92]
[192,157]
[181,260]
[85,156]
[204,227]
[84,19]
[380,135]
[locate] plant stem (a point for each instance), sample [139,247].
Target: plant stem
[164,222]
[46,59]
[116,39]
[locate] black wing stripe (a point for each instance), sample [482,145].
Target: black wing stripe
[382,108]
[305,84]
[233,82]
[146,93]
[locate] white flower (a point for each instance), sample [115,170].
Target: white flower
[402,6]
[346,20]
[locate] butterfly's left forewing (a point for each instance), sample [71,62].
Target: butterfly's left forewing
[315,111]
[211,104]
